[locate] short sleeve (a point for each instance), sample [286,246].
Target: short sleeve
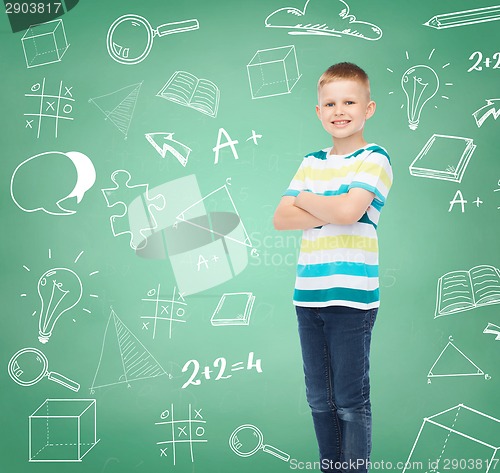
[298,182]
[374,174]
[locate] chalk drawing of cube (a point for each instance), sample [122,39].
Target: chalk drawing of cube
[44,43]
[458,438]
[273,72]
[62,430]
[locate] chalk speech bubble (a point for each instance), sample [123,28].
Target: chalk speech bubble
[36,183]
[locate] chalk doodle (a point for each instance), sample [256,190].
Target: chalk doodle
[50,107]
[60,291]
[188,90]
[420,84]
[130,37]
[234,308]
[123,357]
[219,364]
[122,195]
[491,109]
[493,330]
[443,157]
[28,366]
[323,17]
[461,290]
[273,71]
[463,18]
[119,106]
[179,432]
[164,144]
[492,62]
[453,362]
[36,183]
[44,43]
[246,440]
[62,430]
[174,309]
[453,437]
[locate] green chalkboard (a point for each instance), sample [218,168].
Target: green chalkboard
[147,316]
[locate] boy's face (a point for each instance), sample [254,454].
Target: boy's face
[344,106]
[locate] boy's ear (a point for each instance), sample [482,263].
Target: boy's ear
[317,111]
[370,109]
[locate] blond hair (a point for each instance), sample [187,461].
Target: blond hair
[344,70]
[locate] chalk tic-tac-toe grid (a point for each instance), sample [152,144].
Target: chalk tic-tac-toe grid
[171,310]
[189,431]
[48,108]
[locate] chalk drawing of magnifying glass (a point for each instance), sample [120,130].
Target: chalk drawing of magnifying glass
[247,440]
[30,365]
[130,37]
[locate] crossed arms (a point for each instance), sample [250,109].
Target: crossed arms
[309,210]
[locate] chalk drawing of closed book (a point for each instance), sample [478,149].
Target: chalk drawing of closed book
[458,291]
[443,157]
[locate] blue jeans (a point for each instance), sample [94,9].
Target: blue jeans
[335,345]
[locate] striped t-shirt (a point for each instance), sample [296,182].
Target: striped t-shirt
[338,264]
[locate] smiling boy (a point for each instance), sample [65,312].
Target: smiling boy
[336,197]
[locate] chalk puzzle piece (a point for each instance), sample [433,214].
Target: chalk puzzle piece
[121,196]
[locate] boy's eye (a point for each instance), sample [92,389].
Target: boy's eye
[329,104]
[349,102]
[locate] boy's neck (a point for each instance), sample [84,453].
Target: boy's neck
[342,147]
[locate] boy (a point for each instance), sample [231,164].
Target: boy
[336,197]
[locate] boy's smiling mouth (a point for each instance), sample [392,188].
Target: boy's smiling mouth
[341,122]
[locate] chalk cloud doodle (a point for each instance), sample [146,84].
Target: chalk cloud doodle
[323,17]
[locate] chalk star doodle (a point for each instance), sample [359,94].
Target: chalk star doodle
[123,193]
[50,106]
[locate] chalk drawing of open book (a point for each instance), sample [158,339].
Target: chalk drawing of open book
[458,291]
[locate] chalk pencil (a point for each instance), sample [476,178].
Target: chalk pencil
[462,18]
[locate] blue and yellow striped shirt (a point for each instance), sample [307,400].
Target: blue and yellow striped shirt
[338,264]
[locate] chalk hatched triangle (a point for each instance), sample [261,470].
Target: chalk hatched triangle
[119,106]
[123,357]
[453,362]
[219,200]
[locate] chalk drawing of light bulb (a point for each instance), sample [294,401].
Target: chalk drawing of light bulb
[420,84]
[60,289]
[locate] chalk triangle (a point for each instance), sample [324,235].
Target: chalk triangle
[222,216]
[119,106]
[123,357]
[453,362]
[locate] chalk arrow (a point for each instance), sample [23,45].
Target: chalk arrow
[163,143]
[493,329]
[492,107]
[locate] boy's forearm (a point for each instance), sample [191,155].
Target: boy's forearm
[330,209]
[295,218]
